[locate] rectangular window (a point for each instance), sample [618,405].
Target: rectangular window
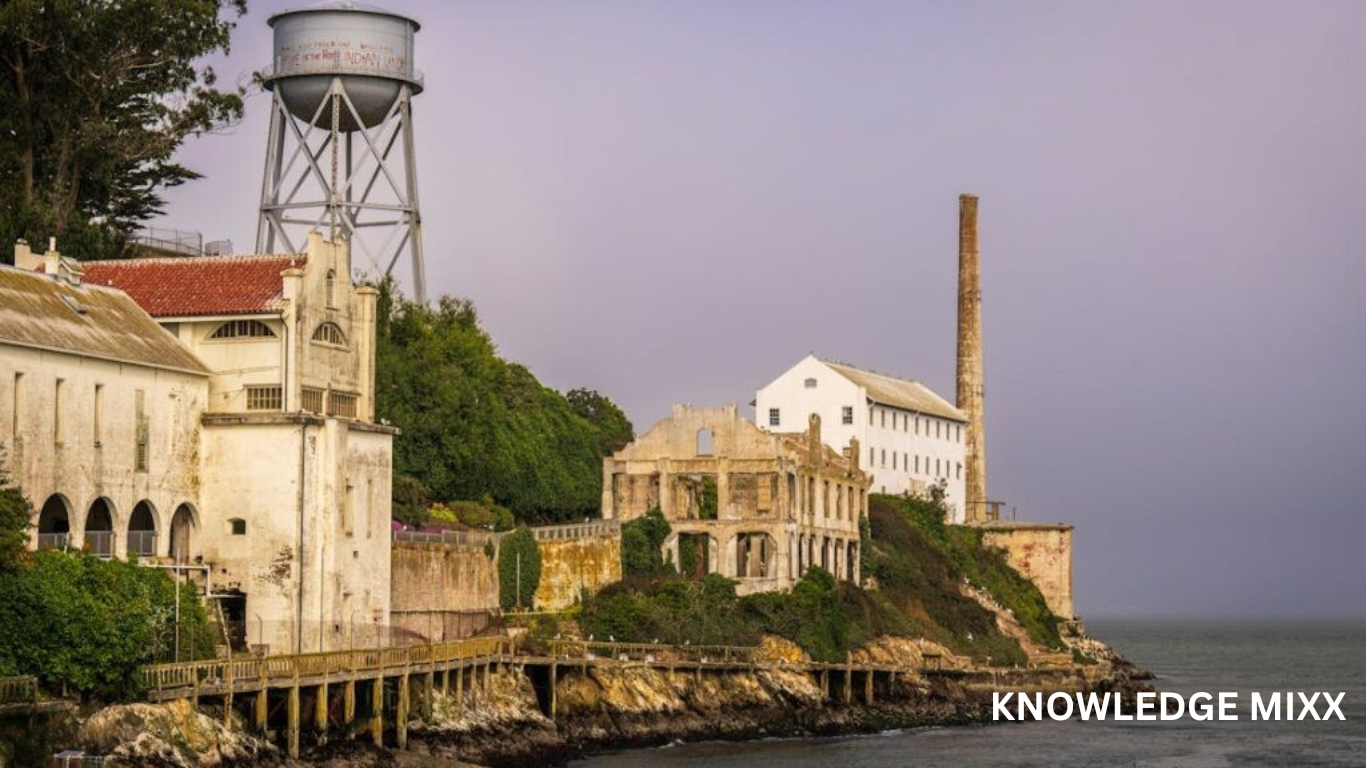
[959,431]
[99,414]
[917,425]
[341,404]
[18,406]
[893,459]
[917,463]
[937,425]
[884,456]
[870,416]
[774,418]
[141,428]
[312,400]
[884,419]
[264,398]
[810,384]
[872,455]
[57,412]
[847,415]
[936,468]
[960,470]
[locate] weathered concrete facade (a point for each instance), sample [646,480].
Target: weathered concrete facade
[754,506]
[971,383]
[1042,553]
[443,587]
[213,412]
[575,559]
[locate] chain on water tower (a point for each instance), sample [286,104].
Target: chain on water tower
[340,157]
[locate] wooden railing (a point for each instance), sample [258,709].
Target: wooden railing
[18,690]
[367,662]
[655,652]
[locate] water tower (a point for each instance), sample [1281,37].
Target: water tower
[340,156]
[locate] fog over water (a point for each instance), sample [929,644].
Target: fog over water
[674,201]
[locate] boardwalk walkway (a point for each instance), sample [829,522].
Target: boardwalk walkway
[402,679]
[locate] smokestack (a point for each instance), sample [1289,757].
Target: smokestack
[970,380]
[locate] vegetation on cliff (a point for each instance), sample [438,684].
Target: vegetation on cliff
[476,425]
[920,567]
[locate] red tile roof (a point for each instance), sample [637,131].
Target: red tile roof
[198,285]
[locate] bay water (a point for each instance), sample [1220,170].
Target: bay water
[1187,656]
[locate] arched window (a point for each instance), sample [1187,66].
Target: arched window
[330,333]
[243,329]
[704,438]
[54,524]
[99,528]
[142,530]
[182,529]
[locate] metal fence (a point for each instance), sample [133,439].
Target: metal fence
[18,690]
[459,538]
[100,543]
[142,543]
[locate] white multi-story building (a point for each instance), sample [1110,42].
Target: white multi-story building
[214,415]
[911,438]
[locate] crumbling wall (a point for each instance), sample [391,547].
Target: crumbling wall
[1042,553]
[442,590]
[571,566]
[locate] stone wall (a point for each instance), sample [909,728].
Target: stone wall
[1042,552]
[444,590]
[575,560]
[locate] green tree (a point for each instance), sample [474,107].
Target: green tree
[475,425]
[642,544]
[519,570]
[614,429]
[97,98]
[15,514]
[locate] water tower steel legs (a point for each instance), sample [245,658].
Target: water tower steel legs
[360,192]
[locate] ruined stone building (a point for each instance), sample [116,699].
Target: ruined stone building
[210,414]
[911,437]
[760,507]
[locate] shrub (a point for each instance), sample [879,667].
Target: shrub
[519,565]
[485,515]
[91,624]
[642,547]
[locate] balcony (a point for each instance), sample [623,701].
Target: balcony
[53,540]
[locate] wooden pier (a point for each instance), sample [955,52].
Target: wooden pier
[374,690]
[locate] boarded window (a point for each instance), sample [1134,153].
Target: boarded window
[143,429]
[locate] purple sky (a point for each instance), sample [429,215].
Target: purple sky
[673,202]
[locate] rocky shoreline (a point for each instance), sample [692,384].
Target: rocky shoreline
[606,708]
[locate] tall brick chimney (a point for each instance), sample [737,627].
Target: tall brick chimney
[970,380]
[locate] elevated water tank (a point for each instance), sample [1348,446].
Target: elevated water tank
[369,48]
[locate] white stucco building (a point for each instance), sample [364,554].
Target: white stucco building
[215,414]
[911,438]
